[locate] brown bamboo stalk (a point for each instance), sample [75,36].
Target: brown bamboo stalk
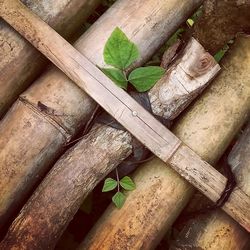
[203,230]
[208,127]
[30,145]
[125,109]
[78,186]
[16,54]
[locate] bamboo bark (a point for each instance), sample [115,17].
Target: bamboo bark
[216,230]
[78,188]
[207,127]
[27,153]
[16,54]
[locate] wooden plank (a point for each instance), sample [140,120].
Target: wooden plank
[129,113]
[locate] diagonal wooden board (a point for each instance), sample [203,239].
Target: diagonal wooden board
[125,109]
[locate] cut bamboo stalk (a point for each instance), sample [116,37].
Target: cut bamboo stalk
[208,127]
[201,231]
[26,153]
[16,54]
[125,109]
[78,186]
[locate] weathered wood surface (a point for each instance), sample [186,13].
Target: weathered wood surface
[16,54]
[215,230]
[207,127]
[26,153]
[139,122]
[79,187]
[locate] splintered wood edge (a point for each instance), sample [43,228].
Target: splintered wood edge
[122,107]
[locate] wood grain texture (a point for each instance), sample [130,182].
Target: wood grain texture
[16,54]
[125,109]
[216,230]
[57,91]
[208,127]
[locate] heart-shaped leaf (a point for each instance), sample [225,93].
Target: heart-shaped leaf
[119,199]
[117,76]
[127,183]
[144,78]
[119,51]
[109,184]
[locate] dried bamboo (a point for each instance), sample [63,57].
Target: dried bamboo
[208,127]
[16,54]
[26,152]
[79,185]
[126,110]
[216,230]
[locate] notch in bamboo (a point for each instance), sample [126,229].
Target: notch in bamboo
[31,140]
[20,63]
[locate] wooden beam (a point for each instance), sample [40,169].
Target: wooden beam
[125,109]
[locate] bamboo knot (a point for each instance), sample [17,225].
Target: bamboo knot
[201,65]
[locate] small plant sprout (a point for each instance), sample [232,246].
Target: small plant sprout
[121,53]
[125,183]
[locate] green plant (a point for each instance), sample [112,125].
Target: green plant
[126,183]
[121,53]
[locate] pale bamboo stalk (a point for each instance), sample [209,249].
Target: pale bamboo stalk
[207,127]
[20,63]
[139,122]
[202,231]
[78,186]
[27,152]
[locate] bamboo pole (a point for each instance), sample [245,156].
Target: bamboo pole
[79,185]
[138,121]
[16,54]
[29,146]
[203,230]
[207,127]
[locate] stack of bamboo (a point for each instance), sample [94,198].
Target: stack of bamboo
[31,140]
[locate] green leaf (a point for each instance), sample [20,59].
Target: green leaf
[117,76]
[144,78]
[220,54]
[119,199]
[109,184]
[190,22]
[119,51]
[127,183]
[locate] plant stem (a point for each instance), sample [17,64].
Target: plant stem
[118,180]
